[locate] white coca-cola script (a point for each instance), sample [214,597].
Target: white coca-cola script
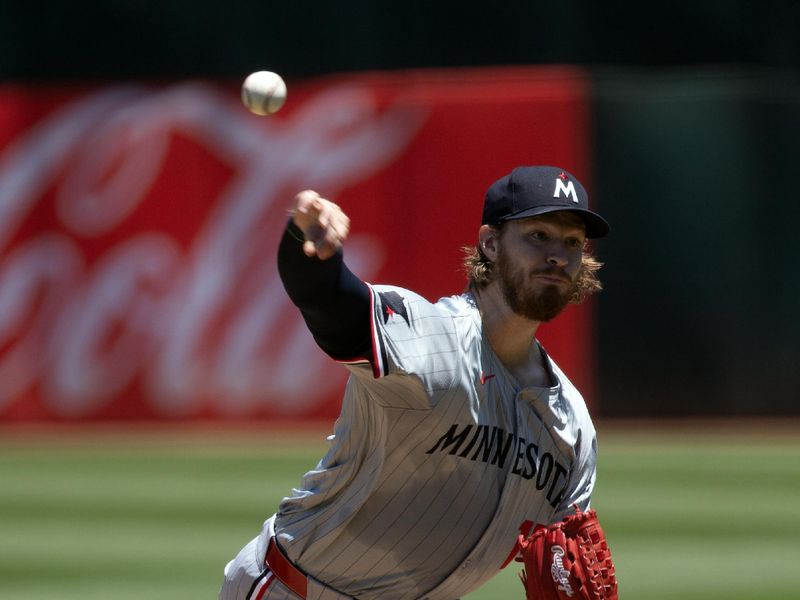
[123,286]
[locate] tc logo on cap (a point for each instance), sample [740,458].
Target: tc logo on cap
[567,189]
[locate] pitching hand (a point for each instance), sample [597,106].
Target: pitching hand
[323,223]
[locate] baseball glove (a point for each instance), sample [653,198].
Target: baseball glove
[568,560]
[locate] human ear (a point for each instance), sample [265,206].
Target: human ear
[488,239]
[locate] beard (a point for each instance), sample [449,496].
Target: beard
[543,305]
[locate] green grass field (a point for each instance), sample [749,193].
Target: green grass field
[705,512]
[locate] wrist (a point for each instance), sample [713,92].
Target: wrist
[295,232]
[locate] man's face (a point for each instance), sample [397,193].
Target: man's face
[538,262]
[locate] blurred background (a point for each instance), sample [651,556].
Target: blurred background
[140,204]
[693,116]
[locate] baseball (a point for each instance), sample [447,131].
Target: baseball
[263,92]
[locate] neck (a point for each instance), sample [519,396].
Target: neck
[510,335]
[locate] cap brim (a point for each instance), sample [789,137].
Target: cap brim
[596,226]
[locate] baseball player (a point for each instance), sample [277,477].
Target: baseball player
[458,434]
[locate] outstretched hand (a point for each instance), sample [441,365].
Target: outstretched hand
[323,223]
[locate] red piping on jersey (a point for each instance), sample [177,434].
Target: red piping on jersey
[264,587]
[377,367]
[289,575]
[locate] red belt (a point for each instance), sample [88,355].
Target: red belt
[289,575]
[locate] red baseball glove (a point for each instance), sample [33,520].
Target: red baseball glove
[569,560]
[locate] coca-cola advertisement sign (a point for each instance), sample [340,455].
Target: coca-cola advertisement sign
[139,226]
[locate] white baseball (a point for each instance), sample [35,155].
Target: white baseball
[263,92]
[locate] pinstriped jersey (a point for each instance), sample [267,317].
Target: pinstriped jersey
[438,461]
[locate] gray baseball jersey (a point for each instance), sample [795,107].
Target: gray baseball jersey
[439,460]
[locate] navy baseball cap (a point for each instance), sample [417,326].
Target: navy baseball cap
[534,191]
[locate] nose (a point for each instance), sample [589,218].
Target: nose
[557,257]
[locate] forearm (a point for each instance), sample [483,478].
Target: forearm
[335,304]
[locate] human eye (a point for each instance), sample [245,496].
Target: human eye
[538,235]
[574,243]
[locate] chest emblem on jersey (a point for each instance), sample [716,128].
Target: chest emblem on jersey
[392,304]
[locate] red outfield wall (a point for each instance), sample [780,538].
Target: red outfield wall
[139,223]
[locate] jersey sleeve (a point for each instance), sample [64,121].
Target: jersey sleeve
[414,345]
